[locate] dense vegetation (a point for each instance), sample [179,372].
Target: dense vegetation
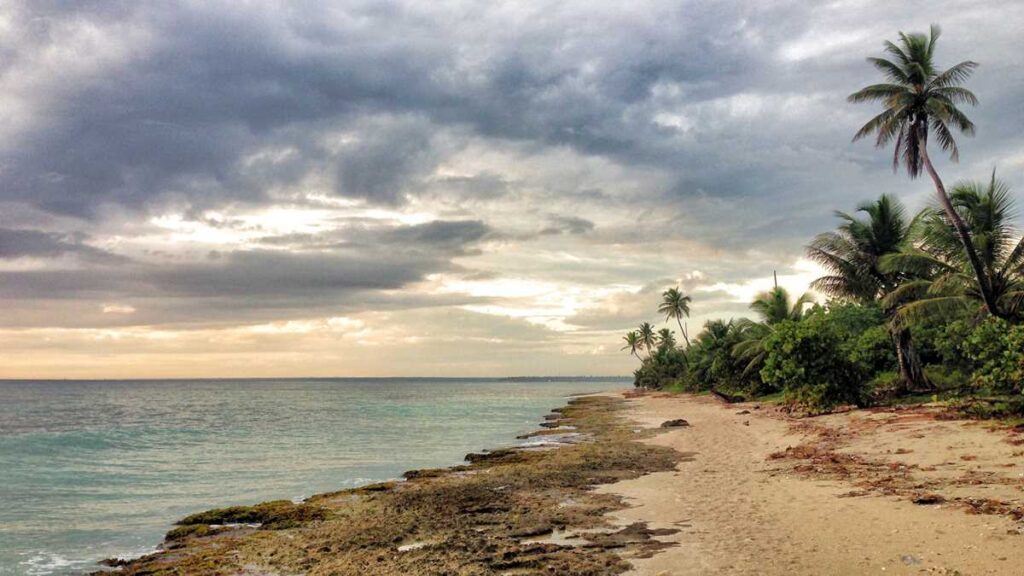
[932,304]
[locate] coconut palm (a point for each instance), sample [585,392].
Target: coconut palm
[632,339]
[666,339]
[647,337]
[919,99]
[946,279]
[851,255]
[772,306]
[675,304]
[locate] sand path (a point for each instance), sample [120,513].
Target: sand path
[739,514]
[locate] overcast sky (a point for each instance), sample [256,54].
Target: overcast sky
[435,188]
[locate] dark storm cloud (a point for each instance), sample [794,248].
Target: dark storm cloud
[209,85]
[205,87]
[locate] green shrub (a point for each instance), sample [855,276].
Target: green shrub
[807,360]
[872,351]
[996,350]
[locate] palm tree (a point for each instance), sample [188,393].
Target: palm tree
[712,351]
[773,306]
[851,255]
[675,304]
[647,337]
[632,339]
[918,99]
[945,276]
[666,339]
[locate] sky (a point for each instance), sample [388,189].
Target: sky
[444,188]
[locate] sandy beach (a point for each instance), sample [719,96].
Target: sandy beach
[759,493]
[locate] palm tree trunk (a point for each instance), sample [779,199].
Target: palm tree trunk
[683,332]
[965,237]
[914,378]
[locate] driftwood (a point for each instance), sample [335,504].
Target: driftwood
[727,398]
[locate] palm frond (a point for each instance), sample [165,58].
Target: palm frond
[954,75]
[941,307]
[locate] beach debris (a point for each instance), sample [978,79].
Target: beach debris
[414,546]
[727,398]
[929,498]
[910,560]
[677,423]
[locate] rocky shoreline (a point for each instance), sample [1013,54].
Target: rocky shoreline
[529,509]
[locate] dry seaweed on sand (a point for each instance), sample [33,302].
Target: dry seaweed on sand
[489,516]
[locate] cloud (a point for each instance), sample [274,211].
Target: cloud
[24,243]
[208,166]
[567,225]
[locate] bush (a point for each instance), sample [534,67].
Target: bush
[872,351]
[807,360]
[996,351]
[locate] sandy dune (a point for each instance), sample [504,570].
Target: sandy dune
[847,510]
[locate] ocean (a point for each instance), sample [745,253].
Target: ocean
[98,469]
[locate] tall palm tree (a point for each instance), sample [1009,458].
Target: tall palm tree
[632,339]
[946,279]
[647,336]
[675,304]
[920,99]
[666,339]
[772,306]
[852,254]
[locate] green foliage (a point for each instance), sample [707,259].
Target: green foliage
[807,360]
[872,351]
[665,367]
[714,362]
[996,350]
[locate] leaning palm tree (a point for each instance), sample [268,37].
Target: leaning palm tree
[632,339]
[647,336]
[851,257]
[919,99]
[675,304]
[666,339]
[946,279]
[772,306]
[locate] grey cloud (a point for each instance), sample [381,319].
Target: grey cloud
[212,86]
[202,105]
[20,243]
[322,275]
[440,233]
[567,225]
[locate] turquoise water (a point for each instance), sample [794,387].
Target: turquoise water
[96,469]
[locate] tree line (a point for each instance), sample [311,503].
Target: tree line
[928,304]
